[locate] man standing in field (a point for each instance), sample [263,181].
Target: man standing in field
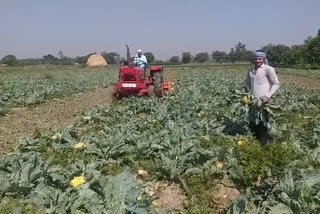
[262,82]
[140,60]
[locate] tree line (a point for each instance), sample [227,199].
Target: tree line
[11,60]
[306,55]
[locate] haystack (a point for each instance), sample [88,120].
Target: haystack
[96,61]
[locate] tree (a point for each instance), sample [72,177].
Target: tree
[31,61]
[313,51]
[149,56]
[201,57]
[174,60]
[123,61]
[186,57]
[218,56]
[247,56]
[60,53]
[10,60]
[276,53]
[307,40]
[296,55]
[231,55]
[49,58]
[83,59]
[240,51]
[111,58]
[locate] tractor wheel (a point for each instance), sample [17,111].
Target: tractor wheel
[157,82]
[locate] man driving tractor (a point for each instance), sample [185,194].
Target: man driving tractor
[140,61]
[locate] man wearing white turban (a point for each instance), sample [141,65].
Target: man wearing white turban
[140,60]
[262,82]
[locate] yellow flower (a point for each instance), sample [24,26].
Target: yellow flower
[219,164]
[157,203]
[205,138]
[86,118]
[79,146]
[139,198]
[240,142]
[77,181]
[200,114]
[143,173]
[29,207]
[56,136]
[259,180]
[303,193]
[49,149]
[245,99]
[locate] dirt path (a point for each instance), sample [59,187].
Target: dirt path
[26,121]
[309,83]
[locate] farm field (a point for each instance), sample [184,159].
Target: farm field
[188,152]
[31,85]
[300,72]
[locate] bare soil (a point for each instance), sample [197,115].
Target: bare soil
[306,82]
[222,196]
[168,196]
[26,121]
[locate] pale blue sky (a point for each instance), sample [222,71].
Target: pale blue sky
[32,28]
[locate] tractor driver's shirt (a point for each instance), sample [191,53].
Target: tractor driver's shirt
[140,61]
[263,81]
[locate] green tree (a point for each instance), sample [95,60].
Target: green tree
[313,51]
[247,56]
[111,58]
[60,53]
[240,51]
[49,58]
[174,60]
[31,61]
[232,56]
[83,59]
[186,57]
[296,55]
[277,54]
[201,57]
[149,56]
[218,56]
[307,40]
[10,60]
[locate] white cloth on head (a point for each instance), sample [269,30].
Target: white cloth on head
[259,54]
[139,51]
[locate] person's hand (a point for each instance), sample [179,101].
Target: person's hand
[265,99]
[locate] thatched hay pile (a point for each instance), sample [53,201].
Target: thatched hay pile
[96,61]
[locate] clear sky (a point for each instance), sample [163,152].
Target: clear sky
[32,28]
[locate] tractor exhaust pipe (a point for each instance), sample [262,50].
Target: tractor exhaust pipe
[128,56]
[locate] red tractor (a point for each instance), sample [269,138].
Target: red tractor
[133,80]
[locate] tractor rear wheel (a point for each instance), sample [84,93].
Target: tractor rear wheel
[157,82]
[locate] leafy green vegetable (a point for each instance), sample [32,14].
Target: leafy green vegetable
[189,136]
